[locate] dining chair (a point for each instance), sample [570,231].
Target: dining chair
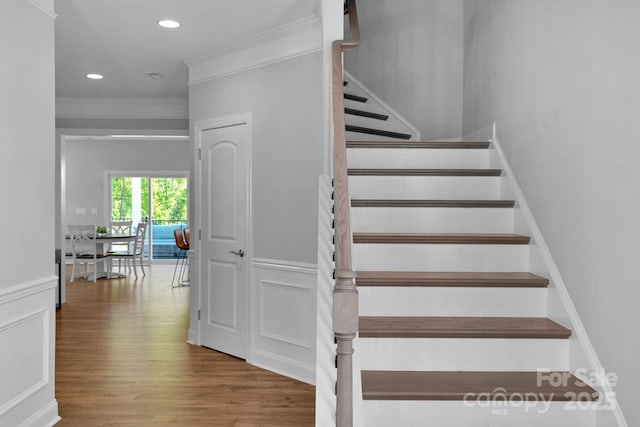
[120,228]
[84,249]
[136,253]
[181,260]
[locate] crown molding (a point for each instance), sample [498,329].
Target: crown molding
[279,44]
[44,6]
[122,108]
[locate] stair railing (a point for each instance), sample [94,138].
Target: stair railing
[345,294]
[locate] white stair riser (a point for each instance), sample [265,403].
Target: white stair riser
[417,158]
[408,257]
[357,136]
[470,354]
[432,220]
[472,414]
[452,301]
[425,187]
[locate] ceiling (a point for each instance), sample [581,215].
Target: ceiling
[121,40]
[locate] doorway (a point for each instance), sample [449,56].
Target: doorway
[160,200]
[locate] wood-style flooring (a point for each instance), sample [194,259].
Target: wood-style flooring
[122,359]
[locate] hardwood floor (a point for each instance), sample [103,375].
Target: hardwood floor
[122,359]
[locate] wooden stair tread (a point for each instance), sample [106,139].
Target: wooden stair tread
[442,238]
[356,98]
[460,327]
[387,203]
[362,113]
[450,279]
[424,172]
[419,144]
[379,132]
[451,385]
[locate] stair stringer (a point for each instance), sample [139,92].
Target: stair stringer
[326,374]
[325,348]
[395,123]
[584,361]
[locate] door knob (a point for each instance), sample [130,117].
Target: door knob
[239,252]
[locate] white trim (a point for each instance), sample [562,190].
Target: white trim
[290,266]
[43,314]
[122,108]
[132,137]
[46,10]
[325,348]
[47,416]
[576,323]
[24,290]
[387,108]
[279,44]
[274,336]
[285,366]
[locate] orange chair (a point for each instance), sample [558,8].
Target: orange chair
[187,236]
[183,248]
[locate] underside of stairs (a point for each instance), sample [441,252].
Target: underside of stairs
[450,313]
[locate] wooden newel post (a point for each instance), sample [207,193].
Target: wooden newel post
[345,326]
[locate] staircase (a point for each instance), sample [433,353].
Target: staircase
[368,118]
[453,326]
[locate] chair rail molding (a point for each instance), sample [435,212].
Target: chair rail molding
[288,41]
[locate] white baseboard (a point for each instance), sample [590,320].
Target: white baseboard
[45,417]
[285,366]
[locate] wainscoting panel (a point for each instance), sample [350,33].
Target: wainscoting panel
[284,318]
[27,340]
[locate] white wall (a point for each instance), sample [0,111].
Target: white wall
[27,288]
[87,160]
[560,78]
[411,56]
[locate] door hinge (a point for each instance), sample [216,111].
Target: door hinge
[198,314]
[199,234]
[199,154]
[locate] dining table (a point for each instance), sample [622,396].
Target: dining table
[103,241]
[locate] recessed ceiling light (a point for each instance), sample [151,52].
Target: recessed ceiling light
[168,23]
[154,75]
[94,76]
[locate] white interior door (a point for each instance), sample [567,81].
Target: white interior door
[225,228]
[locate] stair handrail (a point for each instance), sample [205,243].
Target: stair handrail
[345,294]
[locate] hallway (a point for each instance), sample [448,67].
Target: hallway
[122,359]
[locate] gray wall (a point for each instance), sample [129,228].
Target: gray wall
[286,101]
[27,284]
[26,137]
[87,160]
[411,56]
[560,78]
